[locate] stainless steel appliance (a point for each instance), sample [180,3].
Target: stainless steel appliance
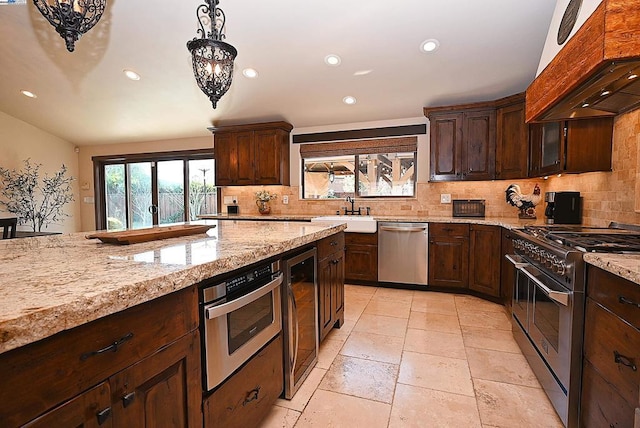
[241,313]
[300,319]
[563,208]
[403,253]
[548,303]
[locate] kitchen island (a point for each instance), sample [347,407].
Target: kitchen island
[86,327]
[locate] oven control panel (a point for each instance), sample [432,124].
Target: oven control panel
[541,257]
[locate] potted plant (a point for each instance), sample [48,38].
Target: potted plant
[37,202]
[262,201]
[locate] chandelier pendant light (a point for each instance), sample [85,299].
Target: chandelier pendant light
[212,58]
[71,18]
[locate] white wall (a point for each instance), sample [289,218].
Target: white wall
[551,47]
[20,141]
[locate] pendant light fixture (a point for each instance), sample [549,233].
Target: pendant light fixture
[211,57]
[71,18]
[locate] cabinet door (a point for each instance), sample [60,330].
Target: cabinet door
[246,158]
[512,143]
[90,409]
[448,261]
[508,271]
[325,297]
[272,166]
[589,144]
[361,262]
[226,153]
[162,390]
[484,259]
[479,145]
[446,143]
[546,148]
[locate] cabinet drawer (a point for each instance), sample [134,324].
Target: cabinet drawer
[361,238]
[62,366]
[330,244]
[246,398]
[613,348]
[449,229]
[601,405]
[620,296]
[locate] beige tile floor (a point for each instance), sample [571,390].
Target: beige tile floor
[418,359]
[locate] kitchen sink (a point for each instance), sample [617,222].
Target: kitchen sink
[355,223]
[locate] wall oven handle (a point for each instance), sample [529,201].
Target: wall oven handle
[556,296]
[214,311]
[517,261]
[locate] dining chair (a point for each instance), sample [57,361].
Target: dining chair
[8,226]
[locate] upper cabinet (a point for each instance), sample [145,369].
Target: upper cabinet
[570,146]
[255,154]
[512,140]
[480,141]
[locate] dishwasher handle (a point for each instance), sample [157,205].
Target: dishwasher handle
[403,229]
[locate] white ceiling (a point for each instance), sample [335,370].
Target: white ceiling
[488,49]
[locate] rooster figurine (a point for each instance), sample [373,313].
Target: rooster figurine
[525,203]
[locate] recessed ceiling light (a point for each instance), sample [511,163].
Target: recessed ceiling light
[349,100]
[362,72]
[332,59]
[250,73]
[429,45]
[28,94]
[131,74]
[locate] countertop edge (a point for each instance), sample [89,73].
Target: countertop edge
[40,324]
[626,266]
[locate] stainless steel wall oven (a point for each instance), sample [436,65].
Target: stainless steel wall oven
[240,313]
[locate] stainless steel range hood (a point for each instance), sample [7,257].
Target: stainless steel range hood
[596,72]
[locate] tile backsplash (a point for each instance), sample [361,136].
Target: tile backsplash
[608,196]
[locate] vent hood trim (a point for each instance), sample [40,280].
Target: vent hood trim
[608,40]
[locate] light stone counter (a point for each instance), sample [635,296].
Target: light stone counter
[626,266]
[54,283]
[506,222]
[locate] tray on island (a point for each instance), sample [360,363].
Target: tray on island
[126,237]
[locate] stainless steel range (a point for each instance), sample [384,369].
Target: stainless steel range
[548,302]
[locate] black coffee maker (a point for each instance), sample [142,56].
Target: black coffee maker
[563,208]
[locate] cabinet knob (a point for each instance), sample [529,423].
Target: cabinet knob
[103,415]
[333,243]
[128,399]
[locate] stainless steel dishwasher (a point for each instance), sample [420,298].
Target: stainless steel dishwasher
[402,253]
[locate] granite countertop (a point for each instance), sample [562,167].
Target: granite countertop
[54,283]
[626,266]
[507,222]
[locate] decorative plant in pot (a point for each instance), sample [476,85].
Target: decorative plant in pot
[35,201]
[262,201]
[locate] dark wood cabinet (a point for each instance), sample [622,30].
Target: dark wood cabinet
[331,276]
[611,380]
[512,141]
[463,145]
[361,257]
[572,146]
[507,270]
[246,398]
[157,360]
[449,255]
[255,154]
[484,259]
[465,256]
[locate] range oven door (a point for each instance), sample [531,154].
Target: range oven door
[237,329]
[544,309]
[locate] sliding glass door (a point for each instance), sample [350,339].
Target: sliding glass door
[137,193]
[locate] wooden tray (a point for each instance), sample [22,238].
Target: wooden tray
[126,237]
